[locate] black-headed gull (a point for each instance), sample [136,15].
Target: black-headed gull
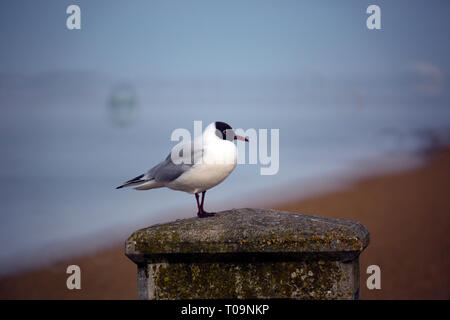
[213,156]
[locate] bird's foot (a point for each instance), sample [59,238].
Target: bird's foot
[205,214]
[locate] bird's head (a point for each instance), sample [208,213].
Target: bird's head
[225,131]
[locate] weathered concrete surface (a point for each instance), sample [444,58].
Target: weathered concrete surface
[249,253]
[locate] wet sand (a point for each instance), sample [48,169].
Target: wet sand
[407,213]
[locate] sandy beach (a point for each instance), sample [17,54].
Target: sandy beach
[407,214]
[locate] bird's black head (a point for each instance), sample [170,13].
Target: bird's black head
[225,131]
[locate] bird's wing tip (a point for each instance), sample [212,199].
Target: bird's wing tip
[132,181]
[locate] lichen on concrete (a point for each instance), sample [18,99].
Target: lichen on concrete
[250,230]
[298,280]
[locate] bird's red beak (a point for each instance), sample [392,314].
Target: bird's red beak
[240,138]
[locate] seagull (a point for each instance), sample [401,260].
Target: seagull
[213,156]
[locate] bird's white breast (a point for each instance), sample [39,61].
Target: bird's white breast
[218,161]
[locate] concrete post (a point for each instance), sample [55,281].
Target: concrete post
[249,253]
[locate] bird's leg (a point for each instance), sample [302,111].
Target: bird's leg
[203,199]
[198,204]
[202,213]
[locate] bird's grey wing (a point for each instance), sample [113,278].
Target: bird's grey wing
[167,170]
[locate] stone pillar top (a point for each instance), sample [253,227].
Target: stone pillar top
[243,233]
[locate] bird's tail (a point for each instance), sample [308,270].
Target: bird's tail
[142,182]
[135,181]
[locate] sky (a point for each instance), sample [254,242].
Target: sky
[227,38]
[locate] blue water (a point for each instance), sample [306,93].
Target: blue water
[64,150]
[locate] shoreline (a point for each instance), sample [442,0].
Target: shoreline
[368,199]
